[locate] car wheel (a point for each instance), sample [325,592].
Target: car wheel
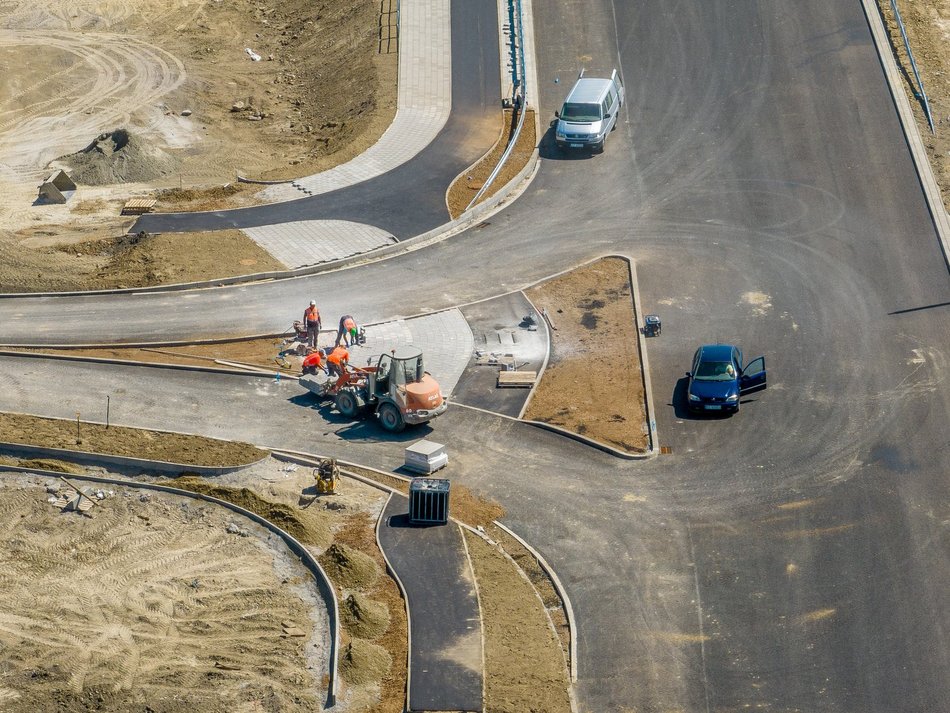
[347,403]
[390,418]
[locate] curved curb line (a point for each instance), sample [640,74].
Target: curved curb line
[478,601]
[547,357]
[309,561]
[925,174]
[144,464]
[405,596]
[561,592]
[500,200]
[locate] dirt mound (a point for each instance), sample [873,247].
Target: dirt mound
[281,515]
[363,617]
[119,156]
[363,662]
[349,568]
[125,441]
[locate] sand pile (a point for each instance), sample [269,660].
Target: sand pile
[362,662]
[119,157]
[364,618]
[349,568]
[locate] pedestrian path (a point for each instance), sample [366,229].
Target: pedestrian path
[424,101]
[311,242]
[446,667]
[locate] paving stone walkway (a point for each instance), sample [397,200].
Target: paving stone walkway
[311,242]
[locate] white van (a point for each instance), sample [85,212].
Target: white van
[589,113]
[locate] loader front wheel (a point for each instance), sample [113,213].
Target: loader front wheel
[390,418]
[347,403]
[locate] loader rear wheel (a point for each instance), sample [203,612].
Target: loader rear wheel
[347,403]
[390,418]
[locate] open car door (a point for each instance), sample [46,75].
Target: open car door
[753,376]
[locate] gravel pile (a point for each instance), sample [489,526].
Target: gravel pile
[119,156]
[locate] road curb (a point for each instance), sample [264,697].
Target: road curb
[934,199]
[402,590]
[644,359]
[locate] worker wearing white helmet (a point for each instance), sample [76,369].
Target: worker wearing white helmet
[311,320]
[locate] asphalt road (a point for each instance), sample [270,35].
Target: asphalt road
[794,557]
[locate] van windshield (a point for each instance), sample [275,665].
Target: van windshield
[581,112]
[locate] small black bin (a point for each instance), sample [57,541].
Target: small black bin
[652,326]
[428,501]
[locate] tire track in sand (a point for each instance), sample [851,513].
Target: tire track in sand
[113,79]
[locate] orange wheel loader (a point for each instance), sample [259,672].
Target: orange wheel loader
[398,389]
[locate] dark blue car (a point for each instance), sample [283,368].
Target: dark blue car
[718,379]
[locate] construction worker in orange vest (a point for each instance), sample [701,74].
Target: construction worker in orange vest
[311,320]
[347,331]
[313,361]
[337,361]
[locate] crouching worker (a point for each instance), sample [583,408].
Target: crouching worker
[315,361]
[337,361]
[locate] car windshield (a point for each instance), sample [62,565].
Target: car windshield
[715,371]
[581,112]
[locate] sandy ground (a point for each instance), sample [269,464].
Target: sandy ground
[592,385]
[151,601]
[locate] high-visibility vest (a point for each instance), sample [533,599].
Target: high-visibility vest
[314,359]
[338,355]
[312,315]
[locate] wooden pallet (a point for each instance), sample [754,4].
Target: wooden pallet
[516,379]
[139,206]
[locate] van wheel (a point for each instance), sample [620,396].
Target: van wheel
[390,418]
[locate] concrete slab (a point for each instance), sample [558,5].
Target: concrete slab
[445,651]
[310,242]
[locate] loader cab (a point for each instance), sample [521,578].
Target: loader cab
[400,367]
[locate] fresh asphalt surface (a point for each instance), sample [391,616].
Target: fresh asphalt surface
[793,557]
[471,130]
[431,563]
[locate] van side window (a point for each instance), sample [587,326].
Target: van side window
[608,102]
